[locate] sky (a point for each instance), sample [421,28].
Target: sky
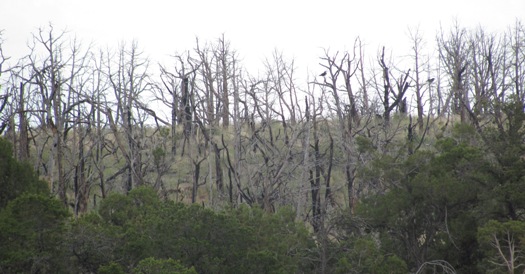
[300,29]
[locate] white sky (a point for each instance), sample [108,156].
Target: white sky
[255,28]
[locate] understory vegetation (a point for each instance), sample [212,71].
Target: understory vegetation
[370,167]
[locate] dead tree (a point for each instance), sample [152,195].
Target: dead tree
[347,116]
[398,94]
[23,146]
[3,97]
[421,84]
[363,82]
[129,80]
[171,100]
[517,62]
[454,52]
[50,78]
[224,57]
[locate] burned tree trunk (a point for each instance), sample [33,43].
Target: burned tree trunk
[23,147]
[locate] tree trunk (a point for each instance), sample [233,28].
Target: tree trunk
[23,147]
[306,164]
[224,74]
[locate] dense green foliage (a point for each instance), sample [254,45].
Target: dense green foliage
[15,177]
[140,226]
[31,222]
[31,229]
[432,210]
[162,237]
[458,202]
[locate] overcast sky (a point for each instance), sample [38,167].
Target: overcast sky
[255,28]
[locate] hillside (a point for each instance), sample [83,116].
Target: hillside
[413,164]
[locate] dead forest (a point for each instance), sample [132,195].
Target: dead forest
[204,130]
